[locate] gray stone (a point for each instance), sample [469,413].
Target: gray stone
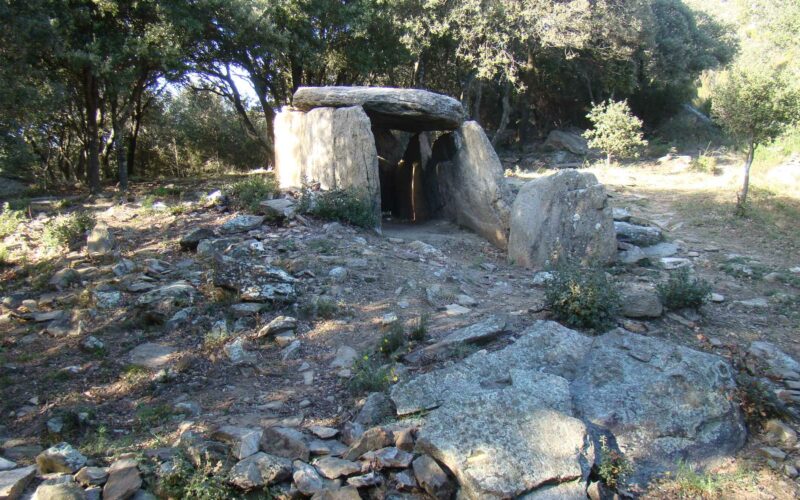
[377,408]
[659,250]
[562,140]
[212,246]
[241,224]
[640,301]
[780,433]
[334,147]
[481,332]
[337,274]
[64,278]
[333,468]
[323,432]
[60,458]
[100,241]
[285,442]
[633,255]
[307,479]
[471,189]
[190,240]
[278,325]
[568,490]
[670,263]
[388,458]
[455,310]
[621,214]
[371,440]
[292,351]
[366,480]
[246,309]
[59,492]
[259,470]
[254,282]
[278,209]
[6,464]
[123,267]
[405,481]
[432,478]
[124,480]
[179,293]
[13,482]
[345,493]
[635,234]
[237,354]
[327,447]
[243,441]
[757,303]
[562,216]
[776,360]
[392,108]
[772,452]
[107,300]
[151,355]
[344,358]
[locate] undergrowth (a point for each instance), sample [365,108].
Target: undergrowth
[67,230]
[10,220]
[582,297]
[369,375]
[684,291]
[344,205]
[249,193]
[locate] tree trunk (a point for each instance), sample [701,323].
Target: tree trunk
[91,95]
[118,146]
[476,108]
[506,102]
[741,197]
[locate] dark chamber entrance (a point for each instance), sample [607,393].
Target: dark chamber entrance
[401,158]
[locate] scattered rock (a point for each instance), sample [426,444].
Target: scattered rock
[285,442]
[642,236]
[190,240]
[259,470]
[641,302]
[241,224]
[13,482]
[670,263]
[455,310]
[481,332]
[6,464]
[659,250]
[344,358]
[278,325]
[432,478]
[124,480]
[373,439]
[717,298]
[366,480]
[279,209]
[758,302]
[107,300]
[243,441]
[563,140]
[388,458]
[307,479]
[179,293]
[246,309]
[255,283]
[323,432]
[123,267]
[100,241]
[346,493]
[237,354]
[564,214]
[60,458]
[772,452]
[64,491]
[332,467]
[292,351]
[338,274]
[64,278]
[152,356]
[377,408]
[780,433]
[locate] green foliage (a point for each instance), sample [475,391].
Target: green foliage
[215,338]
[582,297]
[247,194]
[758,402]
[615,130]
[613,466]
[184,481]
[683,290]
[10,219]
[67,230]
[345,205]
[320,308]
[5,255]
[369,375]
[705,163]
[148,416]
[393,339]
[420,329]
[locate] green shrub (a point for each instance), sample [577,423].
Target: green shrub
[369,375]
[582,297]
[420,329]
[67,230]
[705,163]
[393,339]
[10,219]
[148,416]
[320,308]
[184,481]
[758,402]
[345,205]
[616,131]
[682,291]
[613,466]
[249,193]
[5,258]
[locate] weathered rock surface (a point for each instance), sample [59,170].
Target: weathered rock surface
[432,478]
[524,413]
[334,147]
[62,491]
[100,241]
[241,224]
[243,441]
[255,283]
[151,355]
[259,470]
[285,442]
[13,482]
[278,209]
[392,108]
[332,467]
[635,234]
[123,480]
[564,215]
[60,458]
[640,302]
[469,187]
[191,239]
[566,141]
[477,333]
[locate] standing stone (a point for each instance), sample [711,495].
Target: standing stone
[100,241]
[411,110]
[469,189]
[563,215]
[13,482]
[332,146]
[124,480]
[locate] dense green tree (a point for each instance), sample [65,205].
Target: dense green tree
[615,130]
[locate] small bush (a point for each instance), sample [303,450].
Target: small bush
[420,329]
[393,339]
[67,230]
[616,131]
[758,402]
[613,467]
[320,308]
[705,163]
[682,291]
[369,376]
[10,219]
[5,258]
[184,481]
[148,416]
[582,297]
[345,205]
[249,193]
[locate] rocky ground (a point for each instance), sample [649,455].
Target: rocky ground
[187,334]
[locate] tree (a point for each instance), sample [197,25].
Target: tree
[616,131]
[754,105]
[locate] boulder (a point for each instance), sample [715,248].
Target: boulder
[177,293]
[59,491]
[243,442]
[100,241]
[432,478]
[241,224]
[640,301]
[334,147]
[468,187]
[190,240]
[259,470]
[279,208]
[60,458]
[520,419]
[477,333]
[563,215]
[285,442]
[377,408]
[332,467]
[13,482]
[643,236]
[124,480]
[254,282]
[411,110]
[562,140]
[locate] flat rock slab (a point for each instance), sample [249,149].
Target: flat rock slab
[151,355]
[476,333]
[13,482]
[412,110]
[512,421]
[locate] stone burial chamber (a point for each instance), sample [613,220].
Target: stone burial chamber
[409,150]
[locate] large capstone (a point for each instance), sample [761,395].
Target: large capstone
[523,419]
[562,216]
[412,110]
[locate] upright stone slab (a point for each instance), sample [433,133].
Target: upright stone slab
[562,215]
[466,183]
[332,146]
